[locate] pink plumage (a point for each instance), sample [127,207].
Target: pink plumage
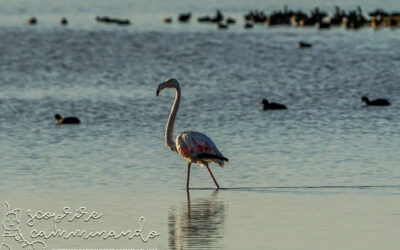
[197,147]
[193,146]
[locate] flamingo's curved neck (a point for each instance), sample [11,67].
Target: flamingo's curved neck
[169,130]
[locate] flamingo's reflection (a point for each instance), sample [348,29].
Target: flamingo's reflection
[196,223]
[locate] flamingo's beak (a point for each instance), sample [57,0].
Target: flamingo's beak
[160,87]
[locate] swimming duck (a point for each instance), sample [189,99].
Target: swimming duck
[267,105]
[230,20]
[222,26]
[377,102]
[167,20]
[248,25]
[66,120]
[217,18]
[302,45]
[64,21]
[32,21]
[184,17]
[118,21]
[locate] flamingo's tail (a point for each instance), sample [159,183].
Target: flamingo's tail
[219,159]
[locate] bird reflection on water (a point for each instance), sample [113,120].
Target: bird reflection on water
[197,223]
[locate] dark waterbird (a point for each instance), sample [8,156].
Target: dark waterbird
[378,13]
[355,19]
[204,19]
[222,26]
[230,20]
[66,120]
[64,21]
[217,18]
[255,17]
[167,20]
[267,105]
[118,21]
[377,102]
[184,17]
[32,21]
[280,17]
[248,25]
[303,45]
[337,18]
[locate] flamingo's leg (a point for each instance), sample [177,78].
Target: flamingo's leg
[212,176]
[188,202]
[188,176]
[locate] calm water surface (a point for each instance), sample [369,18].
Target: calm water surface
[322,175]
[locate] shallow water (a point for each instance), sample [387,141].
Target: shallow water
[322,175]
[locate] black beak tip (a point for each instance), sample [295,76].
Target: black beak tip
[158,92]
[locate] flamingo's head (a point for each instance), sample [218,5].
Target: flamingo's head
[169,83]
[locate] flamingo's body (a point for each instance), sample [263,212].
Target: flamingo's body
[193,146]
[196,147]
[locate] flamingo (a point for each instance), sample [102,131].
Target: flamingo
[193,146]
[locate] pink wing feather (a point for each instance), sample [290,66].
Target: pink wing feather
[192,145]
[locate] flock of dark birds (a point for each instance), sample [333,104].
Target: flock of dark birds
[266,105]
[105,19]
[353,19]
